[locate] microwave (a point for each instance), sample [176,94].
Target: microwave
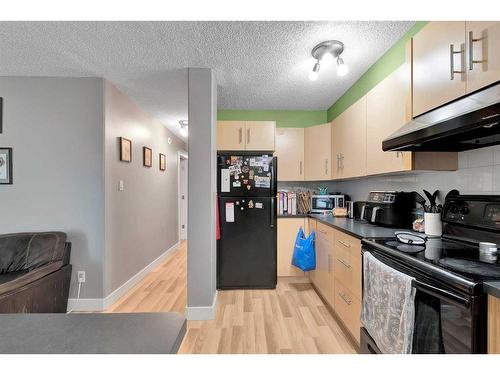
[324,203]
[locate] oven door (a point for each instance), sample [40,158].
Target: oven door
[446,320]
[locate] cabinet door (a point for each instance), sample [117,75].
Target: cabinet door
[349,141]
[324,261]
[260,135]
[290,153]
[434,83]
[483,54]
[318,148]
[230,135]
[287,233]
[385,113]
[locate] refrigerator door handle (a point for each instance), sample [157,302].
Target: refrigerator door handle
[272,213]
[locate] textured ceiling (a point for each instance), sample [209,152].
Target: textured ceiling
[258,65]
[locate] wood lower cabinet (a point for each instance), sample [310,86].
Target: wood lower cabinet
[287,233]
[290,153]
[318,149]
[338,274]
[439,65]
[349,142]
[483,53]
[493,325]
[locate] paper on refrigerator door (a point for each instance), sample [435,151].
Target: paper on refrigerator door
[225,178]
[229,212]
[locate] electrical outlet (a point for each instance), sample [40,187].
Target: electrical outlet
[81,276]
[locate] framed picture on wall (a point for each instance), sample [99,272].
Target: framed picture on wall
[5,166]
[147,156]
[125,149]
[163,162]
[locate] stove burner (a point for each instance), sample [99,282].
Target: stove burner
[405,248]
[471,267]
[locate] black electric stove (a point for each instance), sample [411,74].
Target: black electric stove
[448,275]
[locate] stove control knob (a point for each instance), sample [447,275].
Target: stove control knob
[454,209]
[464,210]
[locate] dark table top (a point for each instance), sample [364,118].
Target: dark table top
[140,333]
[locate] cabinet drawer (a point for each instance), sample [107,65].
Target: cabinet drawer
[347,266]
[324,232]
[348,308]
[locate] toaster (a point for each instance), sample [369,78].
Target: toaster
[389,208]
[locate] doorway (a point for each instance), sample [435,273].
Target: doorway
[183,194]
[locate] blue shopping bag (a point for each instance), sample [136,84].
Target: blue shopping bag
[304,256]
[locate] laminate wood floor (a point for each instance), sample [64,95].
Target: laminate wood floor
[291,319]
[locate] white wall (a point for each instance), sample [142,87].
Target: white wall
[202,194]
[142,221]
[478,173]
[55,128]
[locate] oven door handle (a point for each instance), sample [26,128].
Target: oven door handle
[441,293]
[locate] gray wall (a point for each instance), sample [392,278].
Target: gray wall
[55,128]
[478,173]
[202,188]
[141,221]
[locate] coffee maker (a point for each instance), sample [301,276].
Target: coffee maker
[389,209]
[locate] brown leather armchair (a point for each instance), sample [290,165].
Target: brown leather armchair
[35,273]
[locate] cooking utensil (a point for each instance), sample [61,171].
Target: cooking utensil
[419,199]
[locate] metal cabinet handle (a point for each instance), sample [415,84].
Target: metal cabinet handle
[344,263]
[471,41]
[300,167]
[338,162]
[240,135]
[348,302]
[452,62]
[329,263]
[248,136]
[321,231]
[342,161]
[344,243]
[326,166]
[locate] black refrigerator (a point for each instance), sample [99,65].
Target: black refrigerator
[247,248]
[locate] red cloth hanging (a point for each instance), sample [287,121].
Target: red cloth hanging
[217,221]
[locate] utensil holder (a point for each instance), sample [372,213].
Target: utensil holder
[433,225]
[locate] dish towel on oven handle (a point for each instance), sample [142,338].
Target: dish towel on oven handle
[388,311]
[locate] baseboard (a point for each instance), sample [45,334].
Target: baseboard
[202,312]
[100,304]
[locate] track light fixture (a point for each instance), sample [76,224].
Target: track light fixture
[184,127]
[326,52]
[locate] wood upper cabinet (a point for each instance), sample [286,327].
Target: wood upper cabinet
[287,233]
[245,135]
[349,142]
[290,153]
[231,135]
[386,112]
[439,65]
[318,148]
[483,54]
[259,135]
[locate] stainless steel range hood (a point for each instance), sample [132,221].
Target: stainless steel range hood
[464,124]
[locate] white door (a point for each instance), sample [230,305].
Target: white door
[183,191]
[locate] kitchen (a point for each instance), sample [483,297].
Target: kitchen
[427,125]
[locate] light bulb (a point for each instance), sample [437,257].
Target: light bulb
[313,75]
[327,58]
[184,131]
[342,68]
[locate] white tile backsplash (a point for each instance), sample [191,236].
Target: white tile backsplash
[478,173]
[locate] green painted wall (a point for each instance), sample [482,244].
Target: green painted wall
[384,66]
[284,119]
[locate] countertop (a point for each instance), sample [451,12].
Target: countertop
[492,287]
[357,228]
